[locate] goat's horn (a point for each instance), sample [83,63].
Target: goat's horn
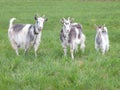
[68,18]
[104,25]
[63,18]
[95,26]
[37,14]
[43,16]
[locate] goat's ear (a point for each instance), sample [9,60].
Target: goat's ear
[103,25]
[46,19]
[62,20]
[43,16]
[71,20]
[36,16]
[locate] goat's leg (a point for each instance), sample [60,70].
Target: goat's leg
[72,51]
[64,48]
[36,43]
[107,48]
[17,51]
[82,43]
[76,48]
[65,51]
[35,49]
[72,47]
[103,50]
[26,48]
[82,46]
[96,47]
[15,47]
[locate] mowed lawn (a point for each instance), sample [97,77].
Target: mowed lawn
[51,70]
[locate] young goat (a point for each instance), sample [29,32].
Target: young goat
[102,39]
[24,35]
[71,34]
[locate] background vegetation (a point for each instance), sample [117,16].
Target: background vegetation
[50,70]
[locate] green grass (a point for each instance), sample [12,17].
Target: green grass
[50,70]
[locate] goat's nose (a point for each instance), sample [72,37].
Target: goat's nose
[67,31]
[40,28]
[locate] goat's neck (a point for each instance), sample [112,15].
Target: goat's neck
[66,35]
[36,29]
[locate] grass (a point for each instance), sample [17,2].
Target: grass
[50,70]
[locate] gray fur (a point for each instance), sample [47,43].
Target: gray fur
[25,35]
[79,27]
[102,39]
[18,27]
[98,39]
[72,35]
[62,35]
[31,35]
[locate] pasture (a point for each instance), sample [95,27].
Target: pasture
[51,70]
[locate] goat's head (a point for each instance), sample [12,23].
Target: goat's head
[66,24]
[40,21]
[101,29]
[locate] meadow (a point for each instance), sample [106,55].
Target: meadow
[51,70]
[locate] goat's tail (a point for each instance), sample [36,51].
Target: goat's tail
[11,22]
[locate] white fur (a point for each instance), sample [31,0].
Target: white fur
[77,41]
[104,44]
[20,39]
[74,45]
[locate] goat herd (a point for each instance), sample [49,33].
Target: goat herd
[25,35]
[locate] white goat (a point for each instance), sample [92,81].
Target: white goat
[24,35]
[71,34]
[102,39]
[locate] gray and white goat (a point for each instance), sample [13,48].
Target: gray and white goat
[71,35]
[101,39]
[26,35]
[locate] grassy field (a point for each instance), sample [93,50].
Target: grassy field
[50,70]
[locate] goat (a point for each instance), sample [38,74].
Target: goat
[101,39]
[71,35]
[26,35]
